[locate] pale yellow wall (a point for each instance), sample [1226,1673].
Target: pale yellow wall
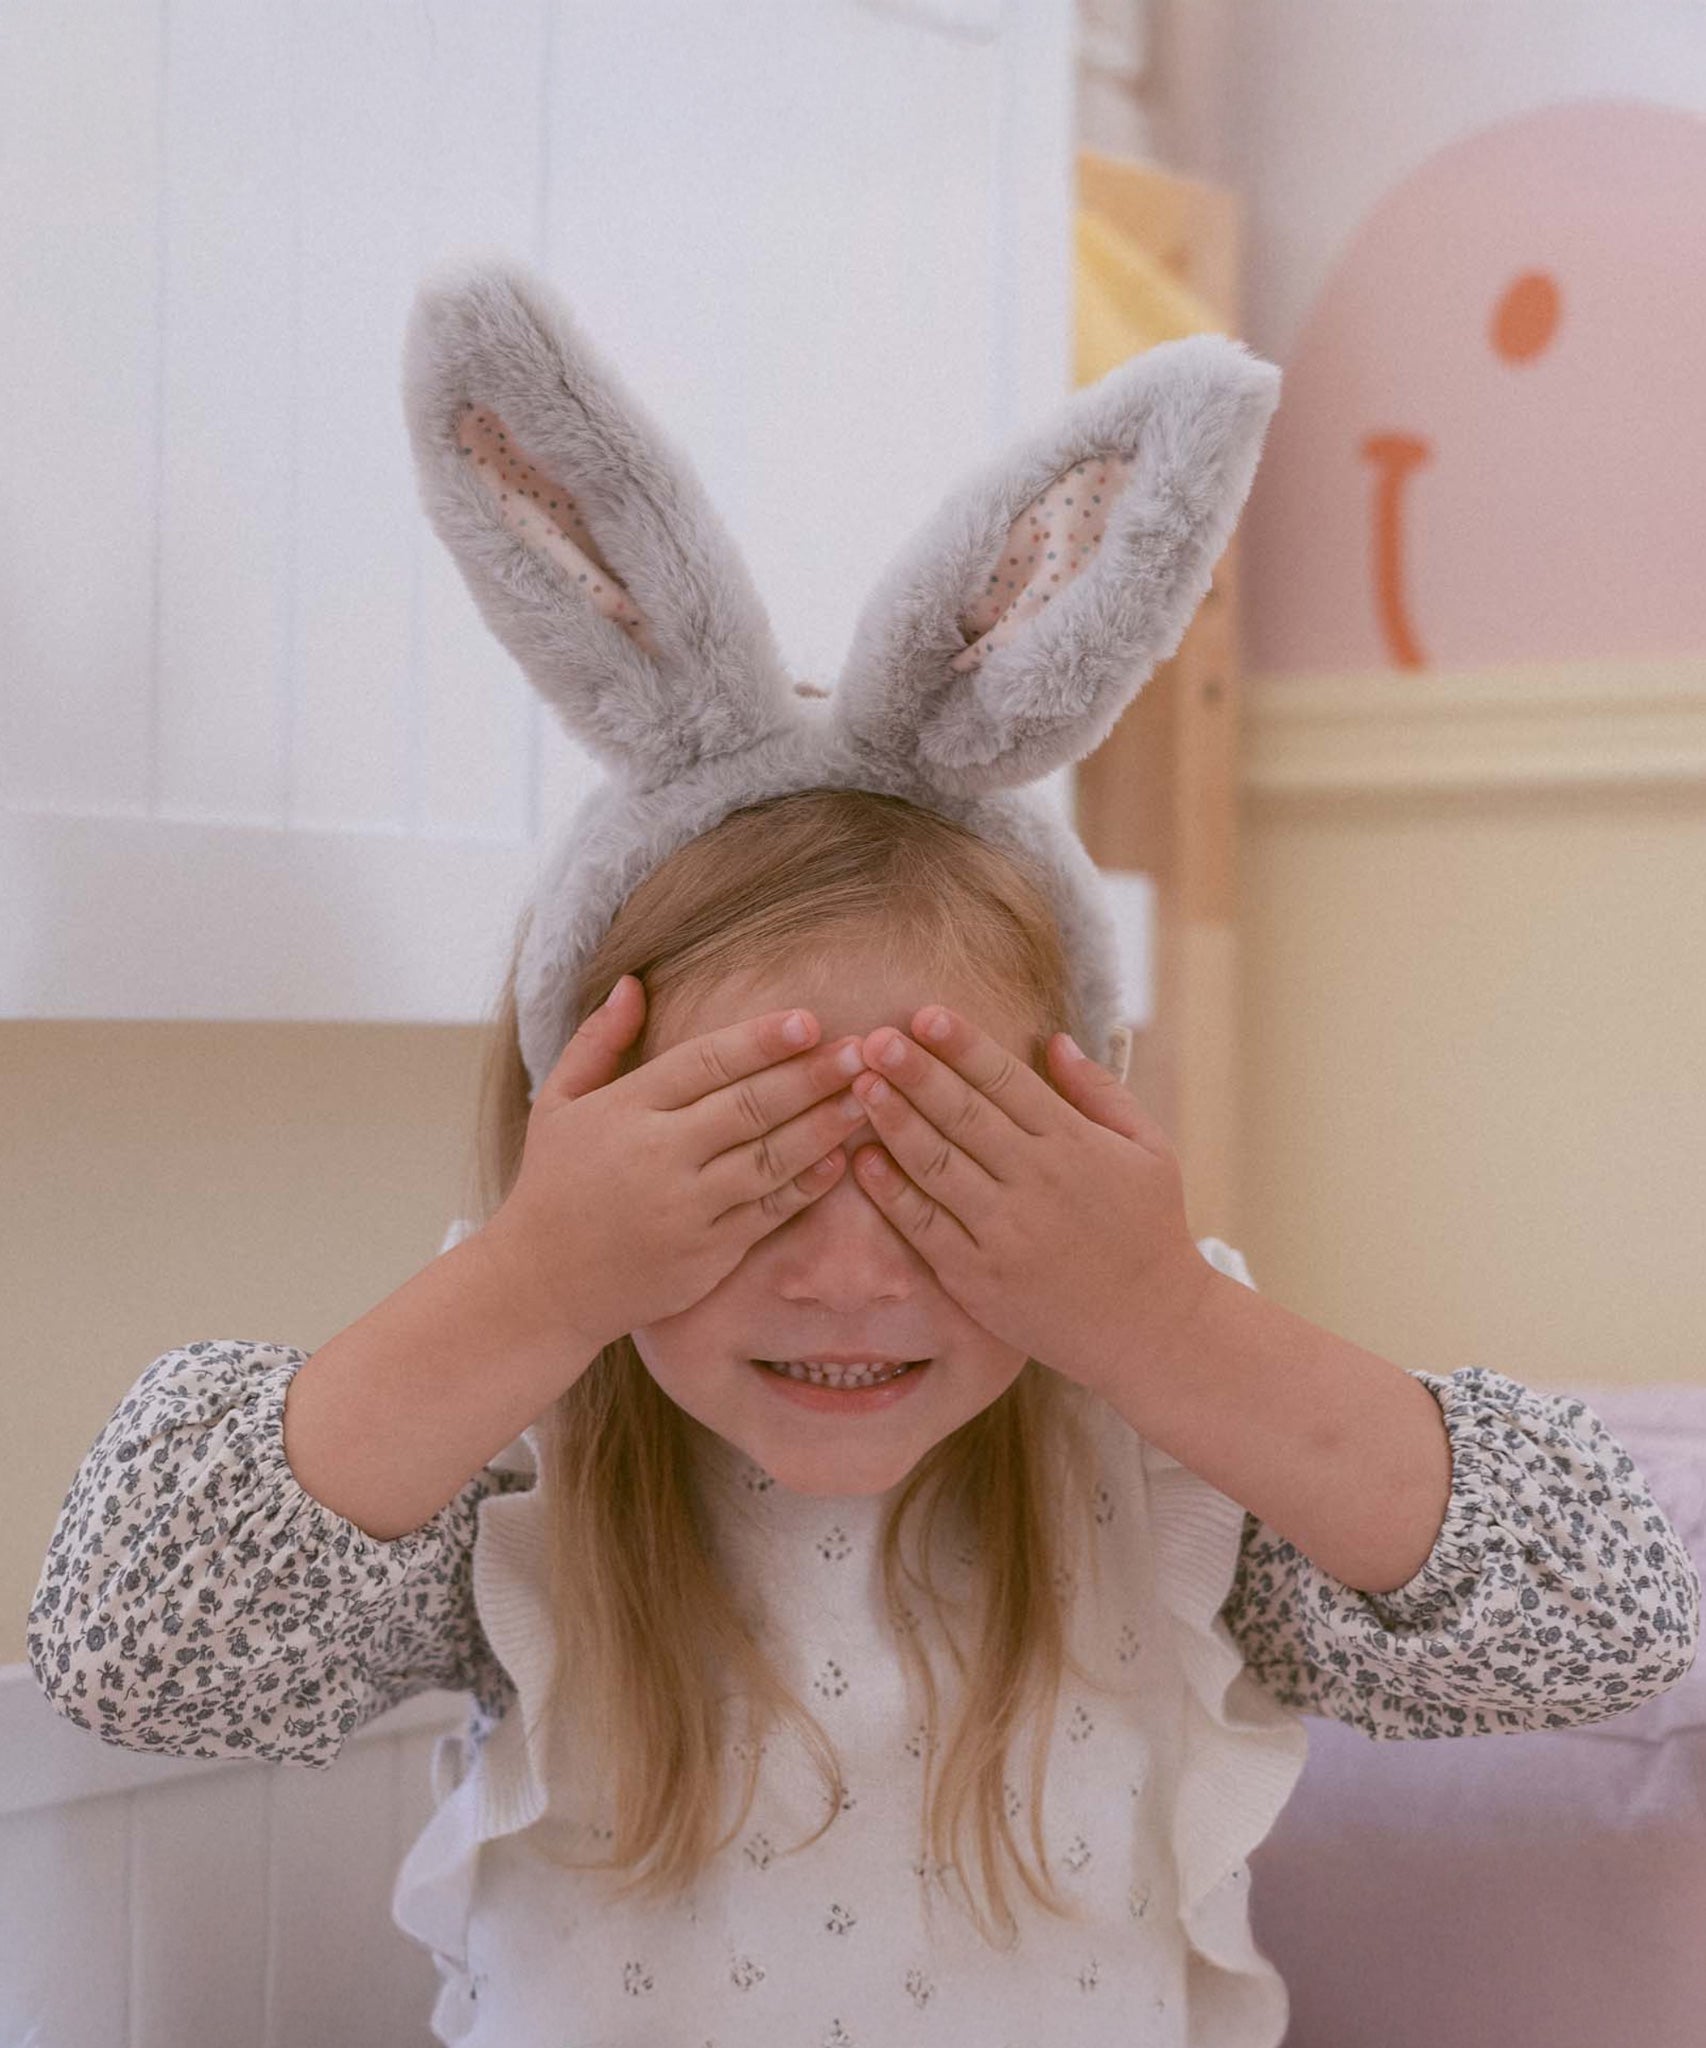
[164,1182]
[1475,1122]
[1473,1112]
[1470,1017]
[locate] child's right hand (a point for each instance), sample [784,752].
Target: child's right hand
[638,1193]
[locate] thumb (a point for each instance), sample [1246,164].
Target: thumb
[595,1050]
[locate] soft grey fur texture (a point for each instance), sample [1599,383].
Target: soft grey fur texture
[715,721]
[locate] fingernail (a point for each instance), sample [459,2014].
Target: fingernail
[609,999]
[935,1025]
[1074,1051]
[796,1030]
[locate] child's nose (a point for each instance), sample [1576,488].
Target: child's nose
[842,1250]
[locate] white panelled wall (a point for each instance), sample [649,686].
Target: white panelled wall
[259,757]
[150,1902]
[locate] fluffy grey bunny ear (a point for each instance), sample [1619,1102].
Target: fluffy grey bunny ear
[1011,631]
[584,536]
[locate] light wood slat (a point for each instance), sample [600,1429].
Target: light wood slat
[1160,794]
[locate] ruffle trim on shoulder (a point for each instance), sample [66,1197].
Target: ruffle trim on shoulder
[1241,1754]
[502,1789]
[512,1599]
[433,1897]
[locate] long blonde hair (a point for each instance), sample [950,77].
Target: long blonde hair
[653,1626]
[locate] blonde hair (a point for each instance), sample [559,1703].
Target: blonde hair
[654,1630]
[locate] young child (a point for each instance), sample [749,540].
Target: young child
[889,1558]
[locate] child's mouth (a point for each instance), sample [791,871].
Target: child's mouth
[842,1389]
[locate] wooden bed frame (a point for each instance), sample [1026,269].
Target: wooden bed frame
[1159,796]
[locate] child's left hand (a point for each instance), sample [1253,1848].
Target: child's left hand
[1056,1220]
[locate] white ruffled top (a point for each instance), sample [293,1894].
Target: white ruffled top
[1162,1778]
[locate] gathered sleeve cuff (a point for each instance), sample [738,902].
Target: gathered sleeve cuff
[196,1600]
[1556,1593]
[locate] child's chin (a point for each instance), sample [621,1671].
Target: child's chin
[836,1472]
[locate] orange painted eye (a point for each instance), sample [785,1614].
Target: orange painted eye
[1526,318]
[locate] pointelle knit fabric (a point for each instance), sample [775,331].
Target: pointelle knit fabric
[196,1600]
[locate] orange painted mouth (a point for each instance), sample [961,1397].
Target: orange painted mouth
[1394,456]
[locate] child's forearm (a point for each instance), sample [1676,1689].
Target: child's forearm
[390,1419]
[1342,1452]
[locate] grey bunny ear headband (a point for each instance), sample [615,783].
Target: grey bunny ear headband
[1002,641]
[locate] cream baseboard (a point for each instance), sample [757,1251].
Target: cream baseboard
[1542,725]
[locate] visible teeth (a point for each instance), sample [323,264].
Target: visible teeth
[837,1375]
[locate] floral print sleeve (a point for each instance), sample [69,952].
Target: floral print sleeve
[197,1601]
[1557,1592]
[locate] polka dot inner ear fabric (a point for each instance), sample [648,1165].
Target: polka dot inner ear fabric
[1052,541]
[545,516]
